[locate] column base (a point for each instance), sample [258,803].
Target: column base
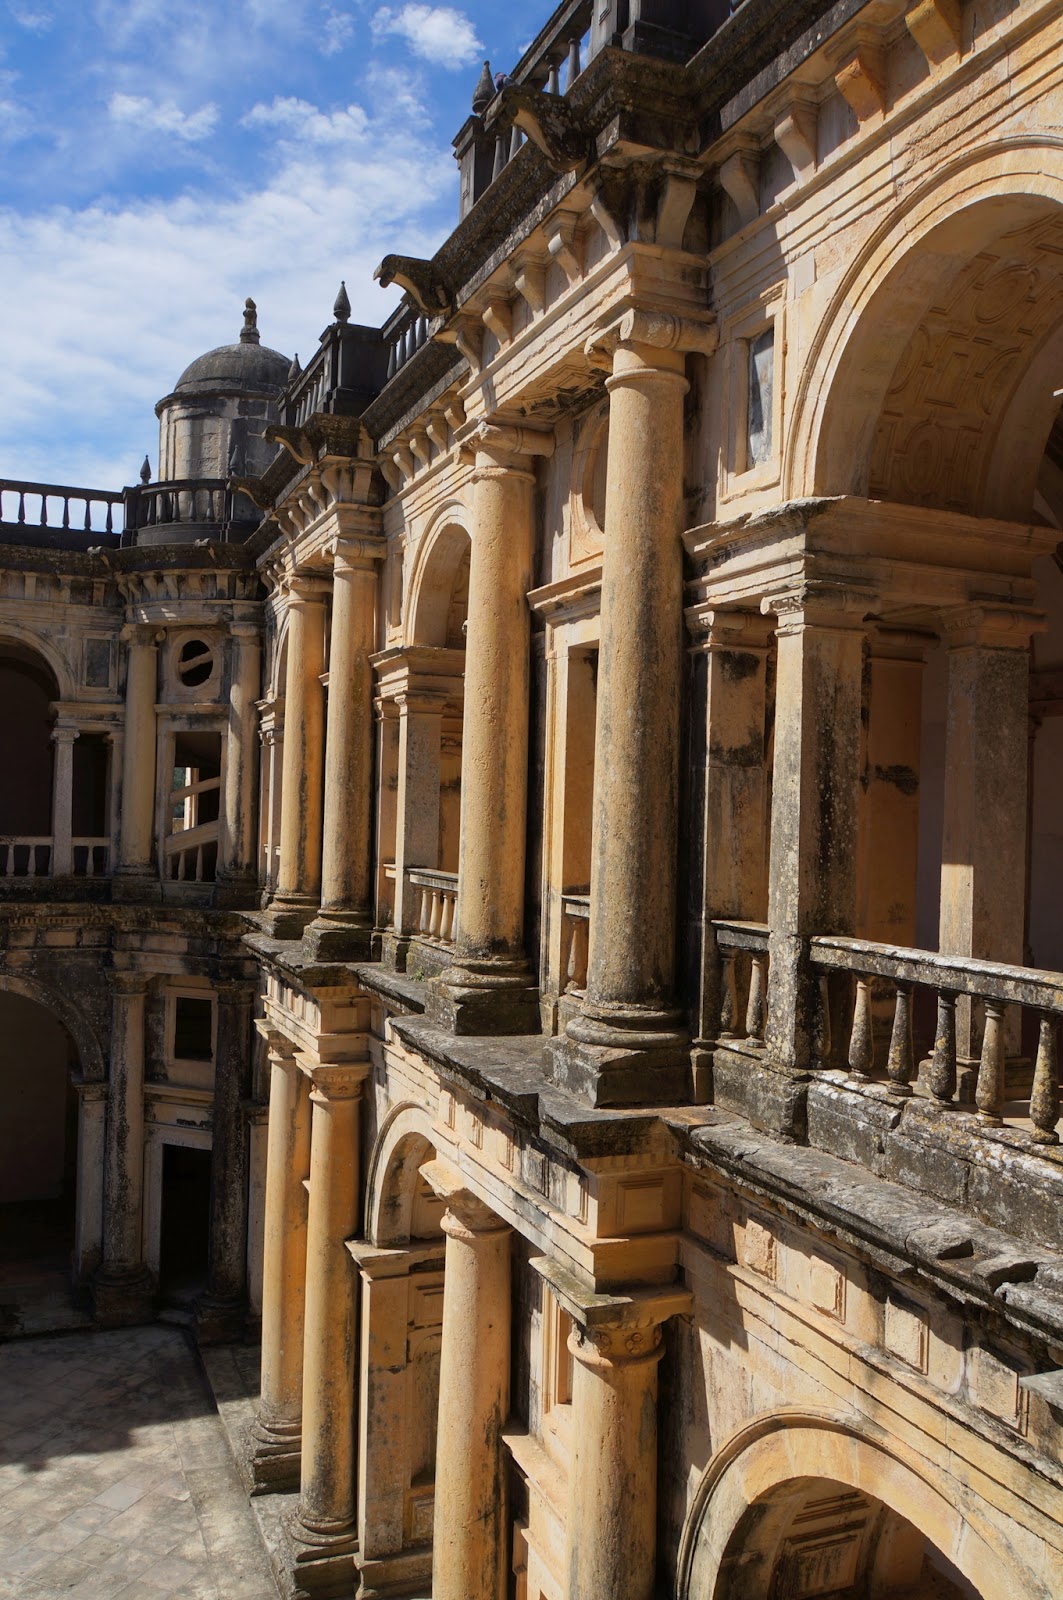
[288,915]
[394,948]
[324,1562]
[276,1457]
[220,1321]
[623,1058]
[773,1097]
[123,1299]
[484,998]
[238,892]
[398,1577]
[339,936]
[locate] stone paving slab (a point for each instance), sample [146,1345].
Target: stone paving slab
[116,1481]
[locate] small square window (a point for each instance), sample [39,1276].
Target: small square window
[193,1029]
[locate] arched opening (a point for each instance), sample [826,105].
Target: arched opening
[402,1315]
[28,689]
[814,1536]
[421,702]
[38,1155]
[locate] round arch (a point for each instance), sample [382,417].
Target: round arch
[761,1459]
[442,553]
[89,1049]
[910,264]
[13,634]
[403,1145]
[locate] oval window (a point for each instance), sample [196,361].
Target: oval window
[195,663]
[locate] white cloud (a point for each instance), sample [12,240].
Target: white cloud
[441,35]
[302,122]
[163,116]
[35,21]
[337,33]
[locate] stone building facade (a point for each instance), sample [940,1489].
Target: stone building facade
[583,856]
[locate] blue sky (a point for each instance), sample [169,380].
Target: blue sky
[162,159]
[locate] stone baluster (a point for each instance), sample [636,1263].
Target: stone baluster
[327,1483]
[136,845]
[277,1433]
[63,801]
[900,1064]
[989,1095]
[344,928]
[122,1288]
[237,869]
[221,1312]
[1044,1098]
[758,982]
[862,1037]
[299,887]
[942,1073]
[628,1042]
[490,988]
[728,994]
[471,1544]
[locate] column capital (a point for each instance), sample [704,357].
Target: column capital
[304,589]
[499,444]
[611,1328]
[142,634]
[333,1082]
[729,630]
[650,330]
[236,991]
[246,632]
[64,733]
[989,627]
[351,555]
[93,1090]
[836,606]
[467,1216]
[900,644]
[128,984]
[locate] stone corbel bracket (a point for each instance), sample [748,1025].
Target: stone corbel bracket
[739,178]
[296,441]
[420,281]
[795,130]
[937,28]
[550,122]
[466,330]
[860,75]
[658,330]
[562,244]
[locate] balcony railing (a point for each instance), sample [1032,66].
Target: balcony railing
[343,375]
[25,856]
[743,948]
[60,509]
[559,50]
[404,334]
[436,904]
[92,857]
[875,968]
[204,501]
[575,942]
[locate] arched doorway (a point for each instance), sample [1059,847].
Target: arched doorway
[39,1115]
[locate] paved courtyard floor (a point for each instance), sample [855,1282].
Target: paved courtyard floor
[116,1480]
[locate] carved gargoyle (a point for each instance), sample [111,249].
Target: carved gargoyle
[295,441]
[419,280]
[550,122]
[252,488]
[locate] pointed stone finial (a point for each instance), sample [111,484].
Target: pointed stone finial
[249,333]
[342,309]
[484,92]
[145,471]
[295,370]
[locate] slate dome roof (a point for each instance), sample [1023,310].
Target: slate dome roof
[248,365]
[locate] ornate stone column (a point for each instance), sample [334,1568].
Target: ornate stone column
[616,1340]
[136,854]
[299,889]
[983,856]
[238,868]
[630,1044]
[327,1489]
[344,928]
[221,1313]
[278,1428]
[815,809]
[63,801]
[122,1289]
[471,1541]
[490,987]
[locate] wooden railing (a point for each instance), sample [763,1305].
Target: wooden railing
[435,908]
[575,942]
[25,856]
[743,948]
[877,968]
[60,507]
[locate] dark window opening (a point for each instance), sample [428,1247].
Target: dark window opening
[185,1230]
[193,1029]
[195,663]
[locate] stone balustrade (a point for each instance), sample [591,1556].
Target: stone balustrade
[575,942]
[92,857]
[743,948]
[25,856]
[58,507]
[436,903]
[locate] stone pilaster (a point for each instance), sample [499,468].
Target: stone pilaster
[238,866]
[122,1287]
[302,792]
[63,801]
[815,804]
[222,1311]
[136,849]
[344,928]
[92,1146]
[325,1529]
[629,1043]
[471,1540]
[490,988]
[276,1437]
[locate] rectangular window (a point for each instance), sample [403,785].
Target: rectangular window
[193,1029]
[761,381]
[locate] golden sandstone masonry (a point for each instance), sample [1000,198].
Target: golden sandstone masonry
[540,839]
